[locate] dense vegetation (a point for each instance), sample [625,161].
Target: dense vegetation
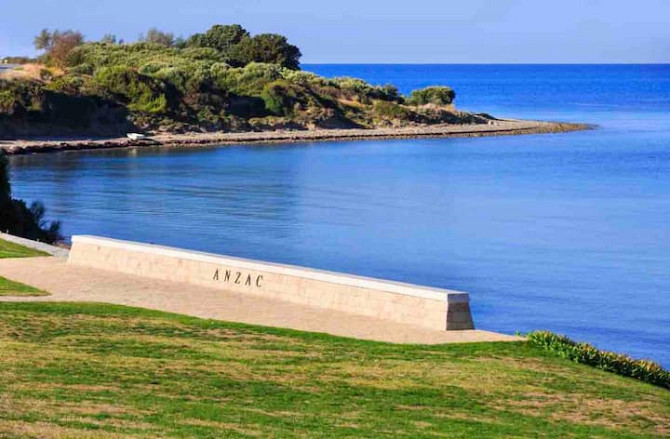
[18,219]
[432,95]
[222,79]
[585,353]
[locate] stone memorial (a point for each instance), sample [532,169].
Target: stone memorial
[399,302]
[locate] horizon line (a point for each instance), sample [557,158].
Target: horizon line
[486,63]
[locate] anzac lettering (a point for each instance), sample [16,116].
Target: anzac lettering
[238,278]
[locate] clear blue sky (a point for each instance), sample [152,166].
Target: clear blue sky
[377,31]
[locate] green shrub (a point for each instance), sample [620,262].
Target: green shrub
[71,84]
[354,89]
[305,79]
[247,81]
[281,97]
[390,110]
[17,96]
[82,69]
[585,353]
[361,91]
[141,93]
[432,95]
[151,67]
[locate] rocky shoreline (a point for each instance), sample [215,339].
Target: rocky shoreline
[495,128]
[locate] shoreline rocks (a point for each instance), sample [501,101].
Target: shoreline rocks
[498,128]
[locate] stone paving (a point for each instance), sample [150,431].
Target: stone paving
[68,283]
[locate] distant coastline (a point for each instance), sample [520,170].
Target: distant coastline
[498,128]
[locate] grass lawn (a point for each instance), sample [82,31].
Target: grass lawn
[11,250]
[10,288]
[98,370]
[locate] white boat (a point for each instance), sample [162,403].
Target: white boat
[136,136]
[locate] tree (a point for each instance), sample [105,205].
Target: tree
[159,37]
[180,42]
[58,45]
[62,45]
[5,187]
[432,95]
[21,220]
[43,40]
[109,39]
[220,37]
[266,48]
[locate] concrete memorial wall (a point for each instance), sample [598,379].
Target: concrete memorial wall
[404,303]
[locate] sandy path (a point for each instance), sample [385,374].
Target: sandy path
[79,284]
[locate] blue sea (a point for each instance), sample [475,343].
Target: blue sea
[567,232]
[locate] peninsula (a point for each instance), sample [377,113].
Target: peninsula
[220,86]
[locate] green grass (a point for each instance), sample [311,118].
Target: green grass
[10,288]
[72,370]
[11,250]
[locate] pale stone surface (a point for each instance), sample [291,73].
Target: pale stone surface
[71,283]
[403,303]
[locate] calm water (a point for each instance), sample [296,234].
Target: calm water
[568,232]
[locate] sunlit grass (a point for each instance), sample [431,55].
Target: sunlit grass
[10,288]
[11,250]
[98,370]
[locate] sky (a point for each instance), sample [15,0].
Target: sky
[376,31]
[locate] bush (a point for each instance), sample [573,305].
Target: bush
[71,84]
[390,110]
[305,79]
[358,90]
[249,80]
[432,95]
[141,93]
[282,97]
[585,353]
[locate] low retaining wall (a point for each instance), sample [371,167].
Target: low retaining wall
[422,306]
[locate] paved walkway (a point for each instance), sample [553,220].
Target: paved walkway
[80,284]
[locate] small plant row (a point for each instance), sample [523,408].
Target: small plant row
[584,353]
